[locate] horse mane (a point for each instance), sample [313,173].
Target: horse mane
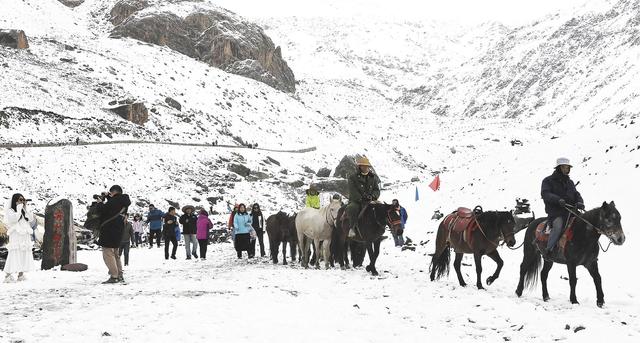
[491,220]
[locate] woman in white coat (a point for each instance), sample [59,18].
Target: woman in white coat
[18,219]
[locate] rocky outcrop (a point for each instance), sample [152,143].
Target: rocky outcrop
[125,8]
[71,3]
[213,35]
[16,39]
[323,172]
[346,167]
[334,186]
[135,112]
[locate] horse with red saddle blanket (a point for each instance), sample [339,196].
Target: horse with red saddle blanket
[472,232]
[577,246]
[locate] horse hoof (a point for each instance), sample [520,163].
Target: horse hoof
[545,298]
[462,284]
[490,280]
[342,268]
[480,287]
[284,263]
[519,292]
[600,304]
[367,268]
[575,302]
[374,273]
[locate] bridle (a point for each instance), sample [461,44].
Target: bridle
[598,230]
[332,222]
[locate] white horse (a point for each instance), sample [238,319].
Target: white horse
[317,225]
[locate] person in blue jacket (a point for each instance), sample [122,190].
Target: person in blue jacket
[242,231]
[154,219]
[397,236]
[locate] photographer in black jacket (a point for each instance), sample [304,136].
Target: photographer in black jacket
[112,217]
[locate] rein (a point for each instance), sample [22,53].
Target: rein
[333,220]
[598,230]
[504,237]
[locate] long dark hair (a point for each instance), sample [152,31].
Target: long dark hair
[255,211]
[14,205]
[14,201]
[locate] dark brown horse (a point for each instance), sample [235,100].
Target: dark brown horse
[281,228]
[471,232]
[582,249]
[371,226]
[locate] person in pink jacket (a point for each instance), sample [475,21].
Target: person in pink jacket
[203,225]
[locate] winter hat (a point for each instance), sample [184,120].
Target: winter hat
[204,212]
[363,161]
[563,161]
[189,207]
[116,188]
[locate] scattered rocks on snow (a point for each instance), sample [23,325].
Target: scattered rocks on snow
[308,170]
[15,39]
[213,35]
[173,103]
[579,328]
[239,169]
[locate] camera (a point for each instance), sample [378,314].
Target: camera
[102,196]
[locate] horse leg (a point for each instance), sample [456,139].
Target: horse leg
[456,266]
[573,280]
[494,255]
[369,267]
[477,257]
[306,251]
[543,277]
[345,256]
[316,244]
[284,253]
[274,250]
[373,258]
[292,246]
[597,280]
[328,259]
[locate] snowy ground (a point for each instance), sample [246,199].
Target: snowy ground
[234,300]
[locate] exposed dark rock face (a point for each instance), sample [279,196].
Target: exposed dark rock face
[346,167]
[323,172]
[336,186]
[134,112]
[71,3]
[239,169]
[215,36]
[16,39]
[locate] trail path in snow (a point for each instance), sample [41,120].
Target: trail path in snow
[49,145]
[224,298]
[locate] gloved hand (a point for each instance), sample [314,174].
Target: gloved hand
[562,202]
[580,206]
[368,197]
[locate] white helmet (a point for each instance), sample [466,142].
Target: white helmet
[563,161]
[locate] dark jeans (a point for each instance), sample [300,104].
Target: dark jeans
[557,226]
[137,238]
[203,243]
[260,234]
[174,242]
[124,247]
[154,233]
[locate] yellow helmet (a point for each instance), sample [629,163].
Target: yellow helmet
[363,161]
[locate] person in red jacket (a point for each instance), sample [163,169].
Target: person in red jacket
[231,217]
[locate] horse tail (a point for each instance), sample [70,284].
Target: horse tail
[531,261]
[442,257]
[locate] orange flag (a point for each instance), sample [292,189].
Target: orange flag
[435,184]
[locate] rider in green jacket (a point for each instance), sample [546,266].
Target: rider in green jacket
[313,198]
[364,187]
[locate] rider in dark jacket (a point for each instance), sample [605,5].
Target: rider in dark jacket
[364,187]
[558,191]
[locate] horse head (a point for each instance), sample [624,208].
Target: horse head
[506,223]
[386,214]
[609,219]
[333,208]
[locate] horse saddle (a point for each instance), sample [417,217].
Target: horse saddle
[462,222]
[542,236]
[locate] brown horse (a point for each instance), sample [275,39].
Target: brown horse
[282,228]
[472,232]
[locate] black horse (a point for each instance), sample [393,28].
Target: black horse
[581,250]
[493,226]
[282,228]
[372,223]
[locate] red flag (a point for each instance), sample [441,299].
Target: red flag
[435,184]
